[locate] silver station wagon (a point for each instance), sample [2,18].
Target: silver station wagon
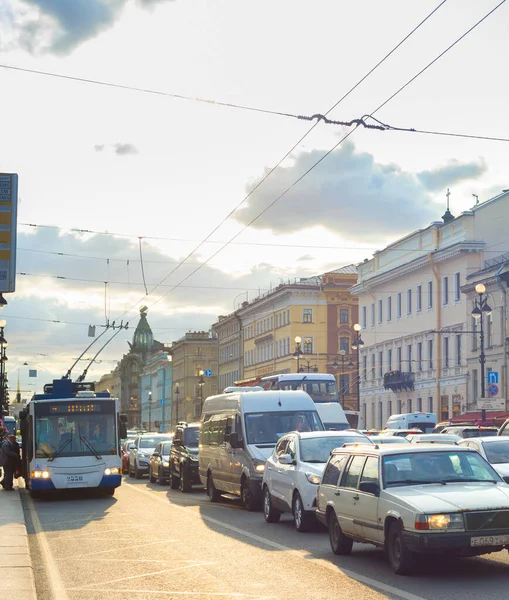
[413,500]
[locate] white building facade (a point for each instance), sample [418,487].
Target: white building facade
[415,317]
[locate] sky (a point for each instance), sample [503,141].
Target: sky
[131,198]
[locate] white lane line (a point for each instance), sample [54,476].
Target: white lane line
[54,579]
[79,534]
[130,560]
[193,566]
[299,553]
[130,547]
[172,593]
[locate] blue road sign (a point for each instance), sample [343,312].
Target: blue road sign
[208,373]
[492,376]
[161,401]
[493,389]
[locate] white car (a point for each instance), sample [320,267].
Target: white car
[433,438]
[495,450]
[294,470]
[141,451]
[413,499]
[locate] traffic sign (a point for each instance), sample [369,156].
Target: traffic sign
[493,389]
[492,376]
[208,373]
[161,401]
[8,228]
[491,404]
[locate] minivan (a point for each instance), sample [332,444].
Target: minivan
[239,431]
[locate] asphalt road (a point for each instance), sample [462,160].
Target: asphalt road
[152,542]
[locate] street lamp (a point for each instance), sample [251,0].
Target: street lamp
[357,344]
[298,351]
[482,308]
[177,392]
[335,366]
[201,383]
[308,367]
[4,394]
[150,410]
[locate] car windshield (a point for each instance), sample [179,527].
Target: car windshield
[497,452]
[151,441]
[318,449]
[436,467]
[320,391]
[191,436]
[267,428]
[165,449]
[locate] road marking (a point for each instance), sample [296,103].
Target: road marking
[193,566]
[108,591]
[80,535]
[55,581]
[135,546]
[299,553]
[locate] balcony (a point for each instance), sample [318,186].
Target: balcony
[396,381]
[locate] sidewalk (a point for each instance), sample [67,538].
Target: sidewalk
[16,573]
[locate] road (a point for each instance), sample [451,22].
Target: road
[152,542]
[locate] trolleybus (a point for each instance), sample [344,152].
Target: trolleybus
[71,439]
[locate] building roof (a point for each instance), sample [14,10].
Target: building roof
[346,270]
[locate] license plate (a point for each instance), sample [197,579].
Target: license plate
[75,479]
[490,540]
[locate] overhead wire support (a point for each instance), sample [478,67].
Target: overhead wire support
[68,374]
[120,328]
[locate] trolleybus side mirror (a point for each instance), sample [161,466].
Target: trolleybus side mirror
[122,426]
[23,414]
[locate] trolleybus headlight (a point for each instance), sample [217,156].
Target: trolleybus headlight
[111,471]
[39,474]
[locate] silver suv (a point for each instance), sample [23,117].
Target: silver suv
[413,499]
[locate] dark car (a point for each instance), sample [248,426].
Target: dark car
[159,464]
[184,457]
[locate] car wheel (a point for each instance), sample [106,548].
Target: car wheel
[213,494]
[160,477]
[185,481]
[401,558]
[174,480]
[271,514]
[248,500]
[339,543]
[137,473]
[151,476]
[303,518]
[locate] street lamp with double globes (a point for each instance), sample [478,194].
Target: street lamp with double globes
[480,310]
[357,344]
[335,366]
[150,410]
[298,351]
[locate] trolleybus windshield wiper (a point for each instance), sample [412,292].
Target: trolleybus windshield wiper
[90,447]
[60,449]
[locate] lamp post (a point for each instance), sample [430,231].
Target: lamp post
[481,308]
[308,367]
[177,392]
[150,410]
[201,383]
[357,344]
[298,351]
[335,366]
[4,395]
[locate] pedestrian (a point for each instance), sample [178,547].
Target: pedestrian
[10,461]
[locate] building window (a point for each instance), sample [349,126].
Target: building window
[419,404]
[419,356]
[457,291]
[399,358]
[380,315]
[409,357]
[344,344]
[418,298]
[445,291]
[446,351]
[363,317]
[409,302]
[389,360]
[409,405]
[458,350]
[475,385]
[380,364]
[344,315]
[372,367]
[307,345]
[430,404]
[430,294]
[398,306]
[365,367]
[474,336]
[389,407]
[372,314]
[489,331]
[430,354]
[398,407]
[307,315]
[344,384]
[389,308]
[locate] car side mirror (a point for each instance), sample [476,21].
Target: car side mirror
[286,459]
[370,487]
[155,454]
[132,446]
[235,440]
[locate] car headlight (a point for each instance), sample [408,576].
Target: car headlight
[440,522]
[259,466]
[111,471]
[312,478]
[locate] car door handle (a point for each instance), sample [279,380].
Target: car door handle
[355,497]
[337,493]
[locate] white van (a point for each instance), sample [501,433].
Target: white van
[424,421]
[238,433]
[332,415]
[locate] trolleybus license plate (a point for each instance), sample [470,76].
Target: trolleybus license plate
[75,479]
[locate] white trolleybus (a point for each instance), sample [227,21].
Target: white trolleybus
[321,387]
[71,439]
